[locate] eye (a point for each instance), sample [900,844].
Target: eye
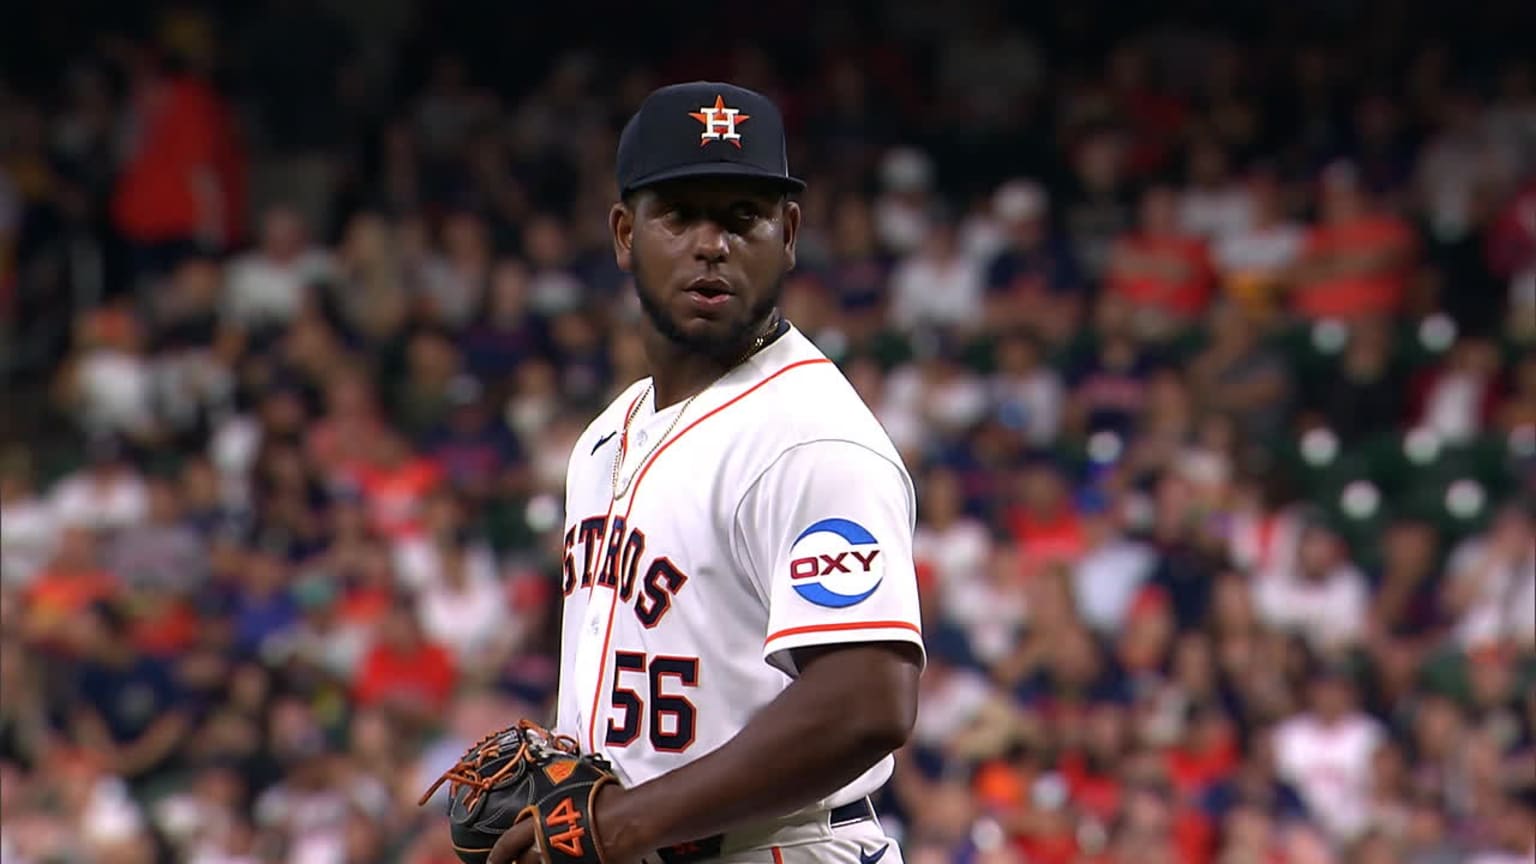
[746,211]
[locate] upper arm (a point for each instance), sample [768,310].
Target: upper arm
[825,533]
[882,663]
[876,681]
[171,724]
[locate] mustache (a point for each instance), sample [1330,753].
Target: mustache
[727,345]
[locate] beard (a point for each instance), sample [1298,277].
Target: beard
[727,345]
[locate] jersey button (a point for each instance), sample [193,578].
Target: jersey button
[641,439]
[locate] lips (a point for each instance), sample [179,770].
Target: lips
[710,287]
[709,293]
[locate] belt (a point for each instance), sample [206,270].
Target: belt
[698,850]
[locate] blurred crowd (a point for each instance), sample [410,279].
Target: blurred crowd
[1212,349]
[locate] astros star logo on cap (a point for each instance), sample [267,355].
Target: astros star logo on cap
[719,122]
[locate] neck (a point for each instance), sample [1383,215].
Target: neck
[678,372]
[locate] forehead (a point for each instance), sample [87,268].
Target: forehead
[712,190]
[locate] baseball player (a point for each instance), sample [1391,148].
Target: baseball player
[741,637]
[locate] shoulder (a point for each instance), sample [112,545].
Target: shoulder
[1359,736]
[793,411]
[1293,729]
[805,398]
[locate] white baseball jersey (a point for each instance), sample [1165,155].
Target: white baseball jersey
[775,515]
[1331,768]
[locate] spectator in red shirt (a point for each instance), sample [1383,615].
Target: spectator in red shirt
[1044,522]
[1093,772]
[1510,244]
[181,183]
[395,484]
[1146,639]
[1164,273]
[1458,397]
[1048,823]
[404,671]
[1207,756]
[1509,249]
[1357,262]
[370,592]
[1154,115]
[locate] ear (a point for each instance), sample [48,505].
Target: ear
[621,223]
[791,232]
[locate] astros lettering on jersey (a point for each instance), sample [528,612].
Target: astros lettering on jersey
[776,515]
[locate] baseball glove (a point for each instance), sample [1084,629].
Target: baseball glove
[525,772]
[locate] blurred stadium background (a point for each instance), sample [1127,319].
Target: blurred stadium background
[1206,327]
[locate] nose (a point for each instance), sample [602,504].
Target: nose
[710,243]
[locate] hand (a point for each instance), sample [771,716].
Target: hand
[517,845]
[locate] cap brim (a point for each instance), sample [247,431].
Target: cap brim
[716,169]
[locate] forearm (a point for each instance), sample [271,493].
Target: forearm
[819,735]
[154,745]
[90,732]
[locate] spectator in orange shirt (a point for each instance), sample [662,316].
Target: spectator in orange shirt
[70,585]
[1357,262]
[1165,274]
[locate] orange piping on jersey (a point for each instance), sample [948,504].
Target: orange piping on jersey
[851,625]
[778,857]
[634,492]
[602,546]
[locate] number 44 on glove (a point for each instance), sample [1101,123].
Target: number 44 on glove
[525,772]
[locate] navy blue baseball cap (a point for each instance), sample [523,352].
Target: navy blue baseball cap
[703,129]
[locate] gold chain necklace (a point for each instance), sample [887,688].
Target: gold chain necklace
[620,488]
[618,457]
